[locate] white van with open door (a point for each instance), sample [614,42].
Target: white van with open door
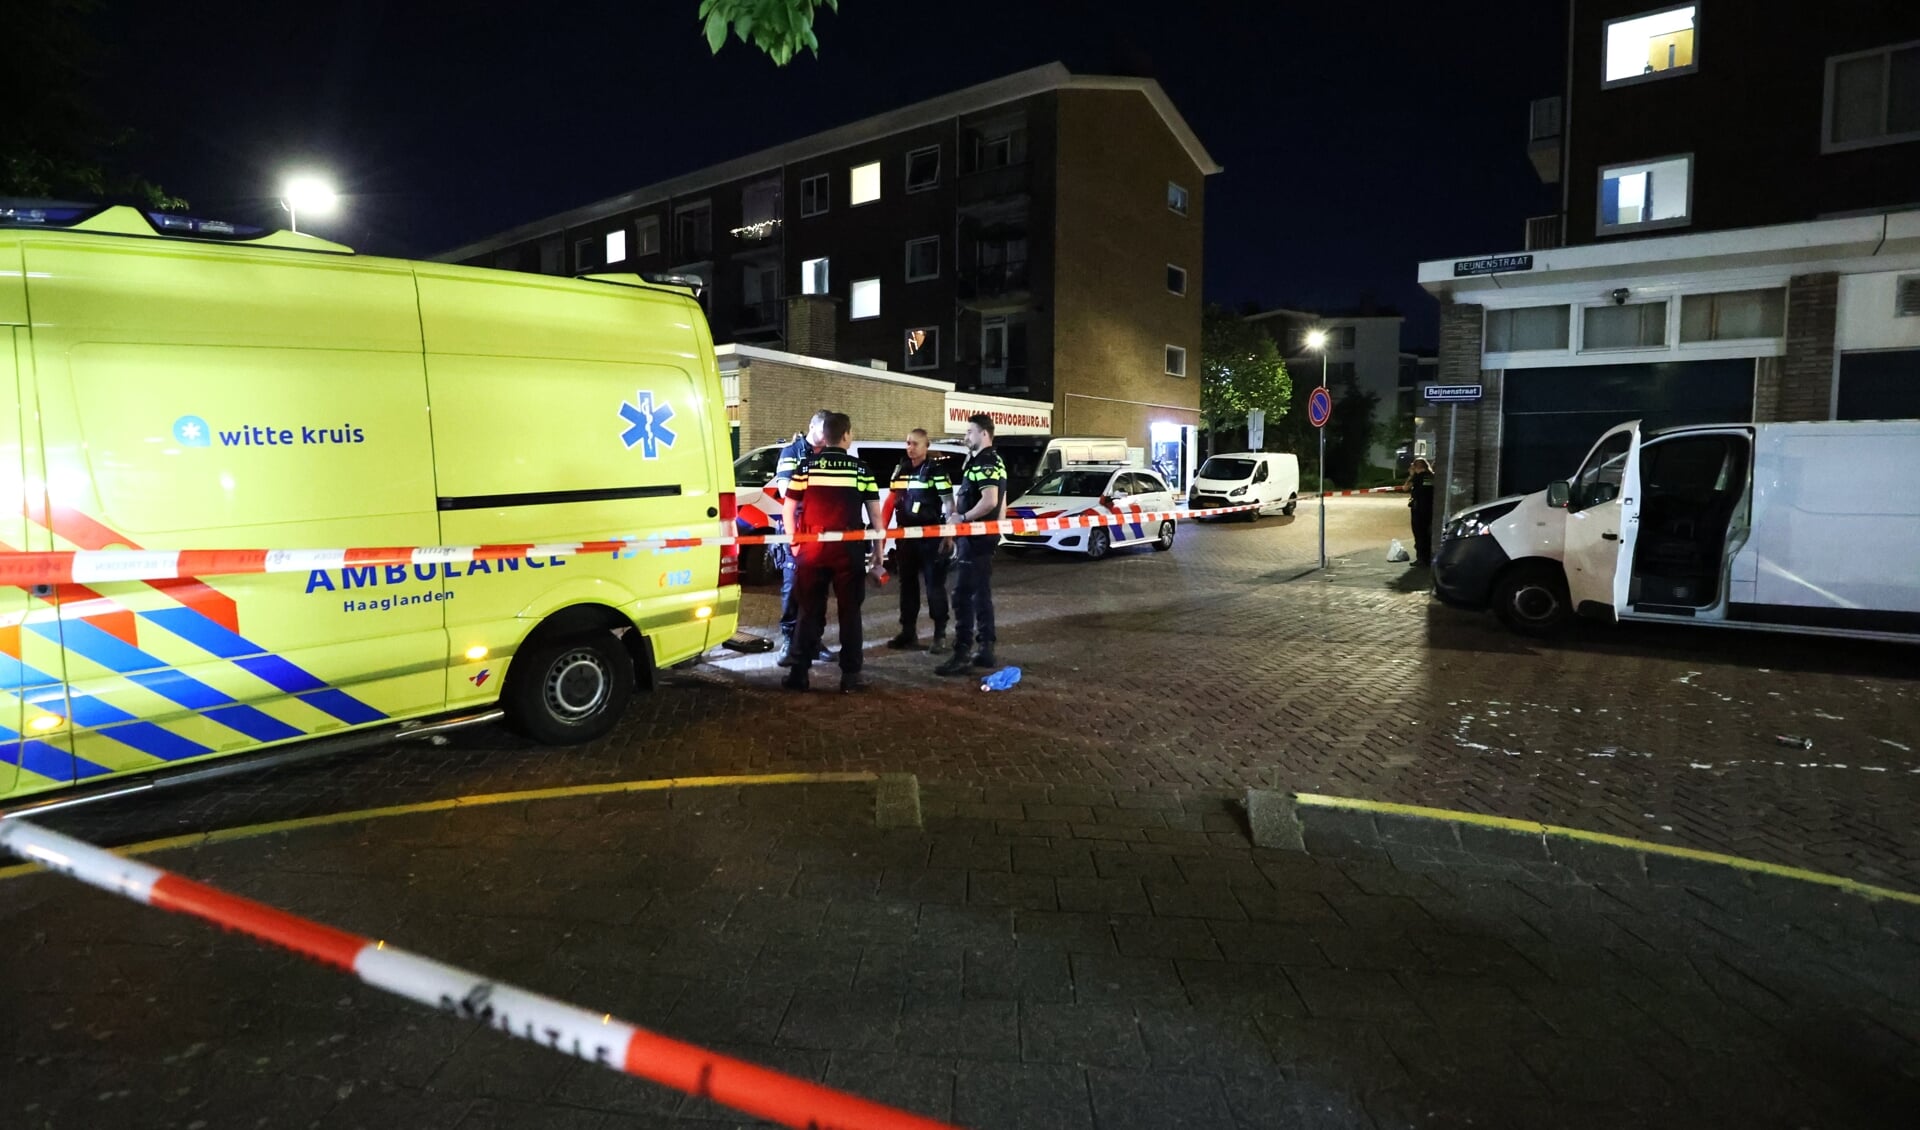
[1266,479]
[1788,527]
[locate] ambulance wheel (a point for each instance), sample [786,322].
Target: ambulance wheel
[571,689]
[1532,600]
[1165,541]
[1099,543]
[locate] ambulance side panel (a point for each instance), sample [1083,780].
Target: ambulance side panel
[574,411]
[206,397]
[1831,532]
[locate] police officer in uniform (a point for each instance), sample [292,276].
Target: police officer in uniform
[791,456]
[826,493]
[977,498]
[919,497]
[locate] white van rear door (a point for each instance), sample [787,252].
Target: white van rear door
[1603,517]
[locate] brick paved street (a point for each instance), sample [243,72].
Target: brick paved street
[1227,663]
[1044,957]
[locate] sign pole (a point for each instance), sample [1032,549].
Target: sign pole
[1446,488]
[1323,469]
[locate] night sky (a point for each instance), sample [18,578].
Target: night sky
[1358,138]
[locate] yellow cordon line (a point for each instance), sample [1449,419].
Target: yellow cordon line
[1532,828]
[477,800]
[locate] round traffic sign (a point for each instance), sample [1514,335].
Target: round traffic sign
[1319,407]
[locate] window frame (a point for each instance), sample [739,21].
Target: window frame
[826,272]
[583,254]
[1669,333]
[641,225]
[1181,350]
[908,357]
[1186,199]
[824,197]
[879,183]
[1827,143]
[1600,228]
[853,298]
[1182,271]
[907,267]
[907,173]
[687,254]
[1606,36]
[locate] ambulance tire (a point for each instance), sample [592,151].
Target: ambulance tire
[569,689]
[1532,599]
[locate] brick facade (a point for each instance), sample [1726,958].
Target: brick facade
[1804,390]
[776,400]
[812,325]
[1476,459]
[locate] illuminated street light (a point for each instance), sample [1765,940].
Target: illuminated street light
[307,194]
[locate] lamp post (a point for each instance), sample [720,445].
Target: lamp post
[1317,340]
[307,194]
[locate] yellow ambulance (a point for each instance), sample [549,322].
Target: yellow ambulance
[171,383]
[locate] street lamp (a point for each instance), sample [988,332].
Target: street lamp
[307,194]
[1317,340]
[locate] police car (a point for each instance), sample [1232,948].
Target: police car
[758,512]
[1095,489]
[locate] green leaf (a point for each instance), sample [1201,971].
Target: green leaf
[716,32]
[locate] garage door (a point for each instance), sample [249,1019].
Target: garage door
[1551,417]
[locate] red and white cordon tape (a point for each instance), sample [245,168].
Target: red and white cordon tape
[591,1036]
[106,565]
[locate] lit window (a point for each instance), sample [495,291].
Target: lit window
[1873,98]
[1176,361]
[1529,328]
[816,195]
[617,246]
[646,235]
[1176,198]
[923,169]
[865,299]
[1642,325]
[1652,194]
[1658,44]
[865,188]
[923,259]
[1176,279]
[923,348]
[813,276]
[1737,315]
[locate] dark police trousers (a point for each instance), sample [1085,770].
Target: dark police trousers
[789,604]
[843,573]
[972,591]
[1422,531]
[921,563]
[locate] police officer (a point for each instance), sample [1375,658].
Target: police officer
[920,496]
[976,498]
[827,493]
[791,456]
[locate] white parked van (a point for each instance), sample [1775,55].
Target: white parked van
[1790,527]
[1261,478]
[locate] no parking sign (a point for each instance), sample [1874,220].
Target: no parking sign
[1320,407]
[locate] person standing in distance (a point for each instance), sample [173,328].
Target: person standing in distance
[826,494]
[791,456]
[919,496]
[977,498]
[1420,491]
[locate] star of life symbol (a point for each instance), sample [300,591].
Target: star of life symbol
[647,425]
[192,431]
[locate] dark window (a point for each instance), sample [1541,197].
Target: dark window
[693,232]
[1874,98]
[1880,386]
[923,168]
[646,236]
[923,259]
[816,195]
[1176,279]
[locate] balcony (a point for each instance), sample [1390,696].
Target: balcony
[1000,183]
[1543,232]
[1543,138]
[995,280]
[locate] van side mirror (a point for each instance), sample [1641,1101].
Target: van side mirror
[1558,494]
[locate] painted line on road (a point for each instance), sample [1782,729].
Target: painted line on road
[1532,828]
[476,800]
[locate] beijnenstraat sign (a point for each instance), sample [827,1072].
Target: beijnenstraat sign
[1010,417]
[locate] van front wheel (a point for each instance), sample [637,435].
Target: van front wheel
[569,690]
[1532,600]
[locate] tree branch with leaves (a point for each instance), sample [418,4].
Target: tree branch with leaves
[781,28]
[1240,370]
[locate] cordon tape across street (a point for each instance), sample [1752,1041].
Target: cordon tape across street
[591,1036]
[104,565]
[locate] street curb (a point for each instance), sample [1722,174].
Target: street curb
[1414,837]
[896,801]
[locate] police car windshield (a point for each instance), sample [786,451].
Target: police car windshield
[756,468]
[1074,484]
[1219,468]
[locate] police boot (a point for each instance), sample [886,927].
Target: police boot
[905,641]
[796,680]
[852,682]
[939,645]
[983,657]
[785,659]
[956,663]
